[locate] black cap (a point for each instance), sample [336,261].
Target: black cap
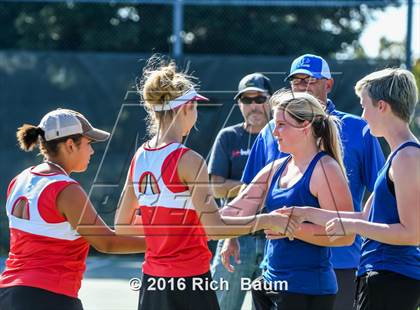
[254,82]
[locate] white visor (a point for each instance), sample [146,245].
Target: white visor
[189,96]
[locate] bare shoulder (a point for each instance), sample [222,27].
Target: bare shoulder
[191,156]
[327,180]
[71,193]
[327,173]
[71,202]
[191,160]
[407,160]
[192,166]
[407,153]
[326,166]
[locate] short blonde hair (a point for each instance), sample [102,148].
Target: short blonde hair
[395,86]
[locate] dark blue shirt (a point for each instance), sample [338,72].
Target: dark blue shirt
[380,256]
[363,158]
[230,152]
[306,267]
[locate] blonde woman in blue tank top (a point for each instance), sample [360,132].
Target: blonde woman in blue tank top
[299,273]
[389,270]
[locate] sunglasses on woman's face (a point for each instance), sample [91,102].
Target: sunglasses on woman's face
[257,100]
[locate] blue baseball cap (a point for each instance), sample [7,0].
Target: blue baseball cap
[312,65]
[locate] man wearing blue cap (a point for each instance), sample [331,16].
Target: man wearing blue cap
[363,158]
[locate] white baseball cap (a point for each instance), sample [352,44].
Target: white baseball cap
[62,123]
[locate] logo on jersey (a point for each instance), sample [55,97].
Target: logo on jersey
[241,152]
[148,184]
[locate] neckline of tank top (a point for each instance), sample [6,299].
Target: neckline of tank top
[301,178]
[147,148]
[57,166]
[49,174]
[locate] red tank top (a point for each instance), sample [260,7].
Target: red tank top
[176,241]
[45,252]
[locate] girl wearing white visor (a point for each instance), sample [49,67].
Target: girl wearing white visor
[168,182]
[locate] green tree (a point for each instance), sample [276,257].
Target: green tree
[85,26]
[391,49]
[208,29]
[272,30]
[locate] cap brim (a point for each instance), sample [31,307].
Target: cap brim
[97,135]
[303,71]
[199,97]
[249,89]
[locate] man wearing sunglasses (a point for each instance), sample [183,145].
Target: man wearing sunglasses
[227,161]
[363,158]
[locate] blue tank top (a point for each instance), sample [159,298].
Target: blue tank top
[376,255]
[306,267]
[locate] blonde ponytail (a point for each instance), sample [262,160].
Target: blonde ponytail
[325,128]
[161,83]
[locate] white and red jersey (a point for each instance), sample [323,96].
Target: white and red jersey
[176,241]
[45,251]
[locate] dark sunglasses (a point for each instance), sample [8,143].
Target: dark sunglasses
[257,100]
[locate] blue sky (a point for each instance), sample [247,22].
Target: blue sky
[391,23]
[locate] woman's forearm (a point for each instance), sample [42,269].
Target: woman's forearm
[315,234]
[395,234]
[321,216]
[231,227]
[125,245]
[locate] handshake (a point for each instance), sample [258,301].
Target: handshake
[285,222]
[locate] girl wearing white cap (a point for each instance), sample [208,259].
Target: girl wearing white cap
[169,182]
[52,222]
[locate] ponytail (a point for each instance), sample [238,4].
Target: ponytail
[161,82]
[28,137]
[325,128]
